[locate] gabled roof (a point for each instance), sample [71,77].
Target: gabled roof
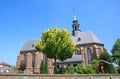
[81,38]
[29,45]
[85,38]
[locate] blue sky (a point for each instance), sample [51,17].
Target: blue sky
[22,20]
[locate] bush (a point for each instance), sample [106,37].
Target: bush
[95,65]
[108,68]
[89,70]
[118,70]
[20,72]
[80,69]
[70,70]
[85,70]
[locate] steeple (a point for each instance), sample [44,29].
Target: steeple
[75,26]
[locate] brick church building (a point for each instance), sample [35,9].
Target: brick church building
[88,48]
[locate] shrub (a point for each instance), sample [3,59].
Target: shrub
[70,70]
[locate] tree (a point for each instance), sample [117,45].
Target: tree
[108,68]
[56,44]
[95,65]
[116,52]
[43,68]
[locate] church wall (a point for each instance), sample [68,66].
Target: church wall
[19,60]
[82,49]
[38,61]
[50,65]
[94,51]
[29,69]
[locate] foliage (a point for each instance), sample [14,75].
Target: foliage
[114,69]
[108,68]
[80,70]
[59,71]
[70,70]
[95,63]
[118,70]
[43,68]
[89,70]
[13,69]
[20,72]
[116,52]
[106,57]
[57,44]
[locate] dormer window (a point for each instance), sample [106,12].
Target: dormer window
[78,39]
[32,45]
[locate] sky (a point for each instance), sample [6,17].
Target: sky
[22,20]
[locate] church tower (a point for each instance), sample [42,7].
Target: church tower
[75,27]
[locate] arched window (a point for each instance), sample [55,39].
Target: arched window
[99,51]
[33,60]
[89,54]
[25,58]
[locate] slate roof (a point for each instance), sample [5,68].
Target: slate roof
[84,38]
[74,58]
[80,38]
[29,45]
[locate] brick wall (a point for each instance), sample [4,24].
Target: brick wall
[58,76]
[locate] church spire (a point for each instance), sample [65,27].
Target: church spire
[75,25]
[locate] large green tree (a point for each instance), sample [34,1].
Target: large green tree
[108,68]
[116,52]
[56,44]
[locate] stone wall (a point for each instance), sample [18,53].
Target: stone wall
[58,76]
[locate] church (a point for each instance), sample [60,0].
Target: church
[88,48]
